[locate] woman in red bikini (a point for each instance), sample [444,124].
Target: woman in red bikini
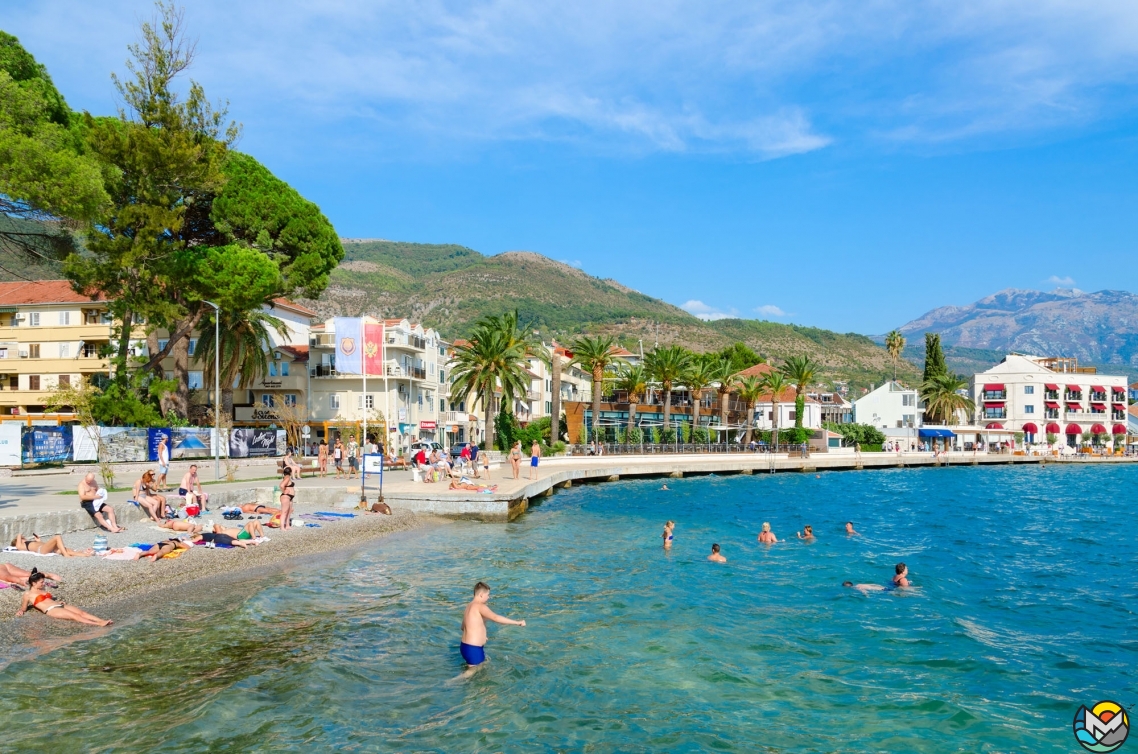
[39,598]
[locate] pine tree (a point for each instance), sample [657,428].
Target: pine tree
[935,365]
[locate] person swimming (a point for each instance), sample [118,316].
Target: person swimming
[850,529]
[809,532]
[665,489]
[669,528]
[864,588]
[901,577]
[715,556]
[766,536]
[473,644]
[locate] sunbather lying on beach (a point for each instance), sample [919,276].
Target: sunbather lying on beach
[222,539]
[39,598]
[259,508]
[164,548]
[252,530]
[465,485]
[53,545]
[180,525]
[10,574]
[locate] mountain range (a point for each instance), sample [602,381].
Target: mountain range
[1098,328]
[450,287]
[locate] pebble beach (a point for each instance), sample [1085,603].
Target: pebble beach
[111,588]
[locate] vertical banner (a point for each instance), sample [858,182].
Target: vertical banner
[349,345]
[373,348]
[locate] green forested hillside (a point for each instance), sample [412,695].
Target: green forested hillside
[449,287]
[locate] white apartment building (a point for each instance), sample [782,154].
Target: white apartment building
[892,408]
[409,396]
[787,414]
[1040,396]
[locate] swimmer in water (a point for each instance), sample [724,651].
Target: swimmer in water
[864,588]
[850,529]
[766,536]
[474,627]
[669,527]
[901,578]
[809,532]
[665,489]
[715,557]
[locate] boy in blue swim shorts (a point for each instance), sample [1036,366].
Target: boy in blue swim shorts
[473,646]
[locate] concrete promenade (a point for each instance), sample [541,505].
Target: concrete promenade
[48,505]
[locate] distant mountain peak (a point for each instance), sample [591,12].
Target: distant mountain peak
[1097,328]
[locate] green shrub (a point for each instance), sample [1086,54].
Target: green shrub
[669,435]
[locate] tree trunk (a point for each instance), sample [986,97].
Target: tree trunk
[181,396]
[667,406]
[799,405]
[555,389]
[227,401]
[750,422]
[598,380]
[631,418]
[774,424]
[723,414]
[488,436]
[122,362]
[696,396]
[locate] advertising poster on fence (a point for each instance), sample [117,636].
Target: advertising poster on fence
[10,444]
[253,443]
[191,442]
[152,438]
[46,444]
[83,445]
[122,444]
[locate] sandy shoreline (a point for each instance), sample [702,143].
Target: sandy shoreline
[105,587]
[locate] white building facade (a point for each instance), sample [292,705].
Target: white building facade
[1051,396]
[892,408]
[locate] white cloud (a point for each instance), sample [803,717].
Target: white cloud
[1066,281]
[763,79]
[705,312]
[770,310]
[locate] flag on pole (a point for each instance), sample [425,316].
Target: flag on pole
[358,344]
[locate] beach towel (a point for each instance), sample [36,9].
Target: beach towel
[14,551]
[336,515]
[174,554]
[128,553]
[260,540]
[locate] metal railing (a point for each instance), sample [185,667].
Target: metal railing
[648,448]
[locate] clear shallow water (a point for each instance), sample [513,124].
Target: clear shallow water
[1025,610]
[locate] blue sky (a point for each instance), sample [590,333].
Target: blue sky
[845,165]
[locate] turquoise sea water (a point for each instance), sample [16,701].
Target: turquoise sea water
[1025,610]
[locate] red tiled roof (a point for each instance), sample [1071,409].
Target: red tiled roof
[618,351]
[298,353]
[42,292]
[758,370]
[284,303]
[786,396]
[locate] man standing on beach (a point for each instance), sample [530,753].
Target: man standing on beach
[163,464]
[474,627]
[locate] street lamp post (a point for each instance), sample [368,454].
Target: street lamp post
[216,390]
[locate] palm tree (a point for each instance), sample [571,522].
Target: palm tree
[668,366]
[700,376]
[776,384]
[750,390]
[245,344]
[801,371]
[632,379]
[725,378]
[496,356]
[895,344]
[596,355]
[942,399]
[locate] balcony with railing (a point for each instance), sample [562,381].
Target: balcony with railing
[322,370]
[533,395]
[994,395]
[400,340]
[395,369]
[995,413]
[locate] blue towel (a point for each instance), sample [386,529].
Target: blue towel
[337,515]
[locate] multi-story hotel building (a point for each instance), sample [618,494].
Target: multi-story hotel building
[1050,396]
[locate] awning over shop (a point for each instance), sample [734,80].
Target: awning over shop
[994,387]
[927,432]
[1118,429]
[1098,429]
[1052,428]
[994,425]
[1030,428]
[1051,386]
[1074,429]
